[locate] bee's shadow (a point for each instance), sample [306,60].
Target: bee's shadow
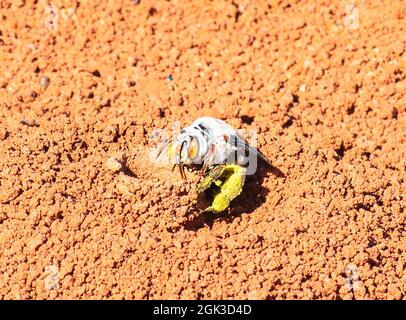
[254,194]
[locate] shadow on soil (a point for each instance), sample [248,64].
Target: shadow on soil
[253,196]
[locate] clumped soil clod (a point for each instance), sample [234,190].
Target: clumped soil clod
[324,85]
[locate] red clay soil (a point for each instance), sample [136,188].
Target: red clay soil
[323,83]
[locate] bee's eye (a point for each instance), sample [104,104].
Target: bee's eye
[193,148]
[180,150]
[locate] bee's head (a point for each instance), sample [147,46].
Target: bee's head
[185,149]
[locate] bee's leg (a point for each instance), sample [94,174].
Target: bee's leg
[184,174]
[181,170]
[220,203]
[204,169]
[208,158]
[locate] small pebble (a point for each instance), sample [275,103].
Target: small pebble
[44,81]
[3,134]
[124,189]
[177,244]
[194,276]
[29,123]
[169,78]
[113,164]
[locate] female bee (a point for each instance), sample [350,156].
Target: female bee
[211,141]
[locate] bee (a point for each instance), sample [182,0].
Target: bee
[210,141]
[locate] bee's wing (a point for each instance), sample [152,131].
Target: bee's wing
[246,149]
